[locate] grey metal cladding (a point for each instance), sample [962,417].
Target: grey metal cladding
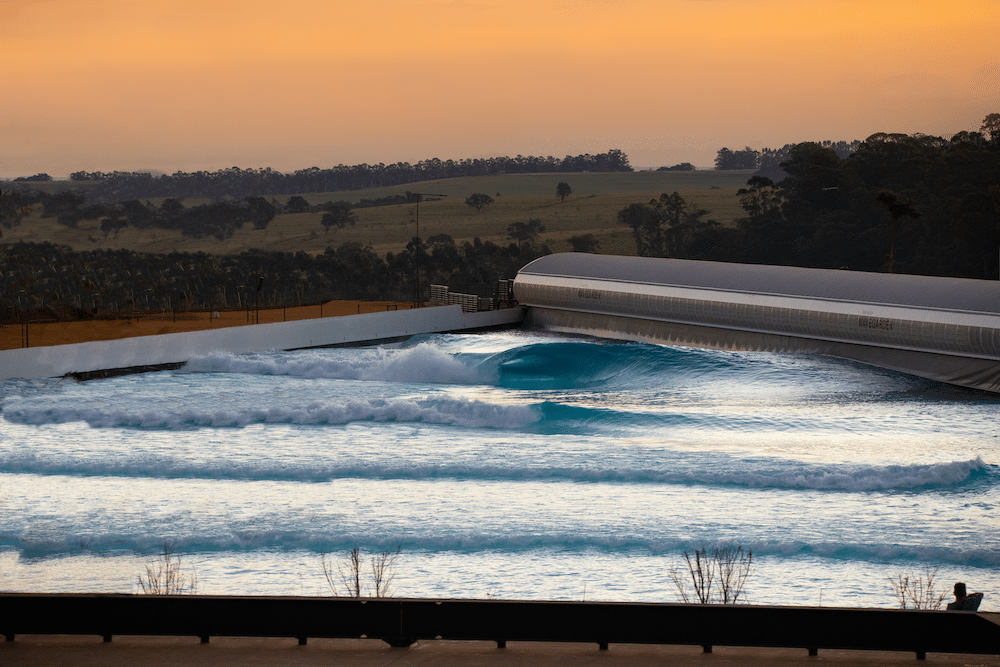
[961,294]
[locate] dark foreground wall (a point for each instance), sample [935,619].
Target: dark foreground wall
[403,621]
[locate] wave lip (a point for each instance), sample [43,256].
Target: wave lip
[423,363]
[559,364]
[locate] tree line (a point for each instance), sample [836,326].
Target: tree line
[236,183]
[901,203]
[52,281]
[767,162]
[898,203]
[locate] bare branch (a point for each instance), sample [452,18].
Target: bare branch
[383,571]
[727,569]
[166,577]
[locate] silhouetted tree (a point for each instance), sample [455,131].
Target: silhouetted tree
[113,224]
[683,166]
[338,214]
[991,126]
[297,204]
[261,210]
[669,227]
[747,158]
[525,233]
[897,208]
[761,198]
[563,190]
[584,243]
[646,230]
[478,201]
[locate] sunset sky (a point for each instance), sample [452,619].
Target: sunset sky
[100,85]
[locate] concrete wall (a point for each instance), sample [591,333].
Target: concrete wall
[59,360]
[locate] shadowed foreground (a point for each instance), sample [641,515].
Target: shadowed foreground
[119,627]
[37,650]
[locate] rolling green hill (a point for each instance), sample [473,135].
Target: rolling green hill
[591,208]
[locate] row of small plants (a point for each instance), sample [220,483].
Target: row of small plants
[716,576]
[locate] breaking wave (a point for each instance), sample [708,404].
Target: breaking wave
[435,410]
[792,475]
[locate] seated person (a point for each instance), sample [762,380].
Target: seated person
[965,602]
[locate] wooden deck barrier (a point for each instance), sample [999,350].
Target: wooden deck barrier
[400,622]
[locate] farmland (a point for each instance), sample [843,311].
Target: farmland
[591,208]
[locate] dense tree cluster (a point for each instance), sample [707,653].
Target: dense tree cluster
[834,212]
[52,280]
[683,166]
[218,219]
[236,183]
[894,202]
[670,227]
[338,214]
[14,205]
[768,161]
[100,175]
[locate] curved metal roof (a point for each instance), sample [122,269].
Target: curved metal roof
[961,294]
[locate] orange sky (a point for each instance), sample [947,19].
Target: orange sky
[207,84]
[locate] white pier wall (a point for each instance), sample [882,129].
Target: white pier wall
[59,360]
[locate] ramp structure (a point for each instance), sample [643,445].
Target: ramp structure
[944,329]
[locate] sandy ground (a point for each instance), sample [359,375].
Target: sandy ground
[36,650]
[59,333]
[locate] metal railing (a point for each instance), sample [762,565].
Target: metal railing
[400,622]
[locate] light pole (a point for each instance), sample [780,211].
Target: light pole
[417,197]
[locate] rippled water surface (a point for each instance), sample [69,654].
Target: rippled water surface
[512,465]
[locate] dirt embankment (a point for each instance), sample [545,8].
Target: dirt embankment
[38,334]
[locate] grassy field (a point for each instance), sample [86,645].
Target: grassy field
[592,208]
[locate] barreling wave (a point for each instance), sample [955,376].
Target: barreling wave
[793,476]
[549,365]
[433,410]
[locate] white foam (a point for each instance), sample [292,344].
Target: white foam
[333,541]
[435,410]
[424,363]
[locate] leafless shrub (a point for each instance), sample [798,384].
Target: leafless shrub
[917,591]
[734,566]
[725,568]
[165,576]
[346,576]
[384,571]
[701,570]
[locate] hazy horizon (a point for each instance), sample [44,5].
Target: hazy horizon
[185,86]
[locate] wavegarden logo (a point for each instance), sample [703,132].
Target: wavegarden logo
[868,322]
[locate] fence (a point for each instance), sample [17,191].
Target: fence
[400,622]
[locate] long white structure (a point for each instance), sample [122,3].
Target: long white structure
[150,352]
[945,329]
